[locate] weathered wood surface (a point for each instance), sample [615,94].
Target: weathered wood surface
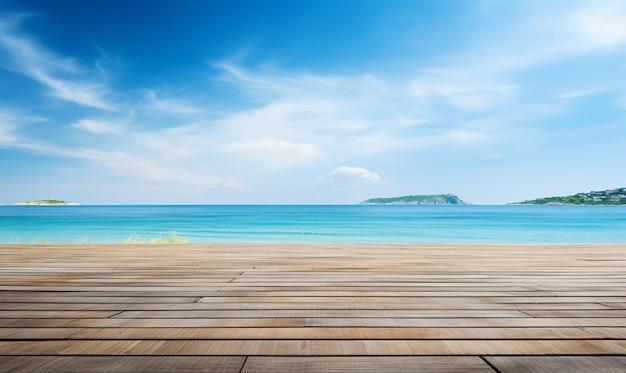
[312,308]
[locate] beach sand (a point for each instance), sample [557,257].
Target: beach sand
[312,308]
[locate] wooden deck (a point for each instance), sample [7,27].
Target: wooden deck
[312,308]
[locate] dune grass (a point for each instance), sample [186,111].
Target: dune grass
[172,237]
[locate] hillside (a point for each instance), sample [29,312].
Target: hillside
[432,199]
[605,197]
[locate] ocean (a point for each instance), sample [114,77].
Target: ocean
[402,224]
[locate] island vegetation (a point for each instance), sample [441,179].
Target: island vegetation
[606,197]
[46,202]
[431,199]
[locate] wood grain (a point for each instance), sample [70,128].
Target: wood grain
[329,308]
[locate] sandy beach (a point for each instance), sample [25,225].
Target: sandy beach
[297,307]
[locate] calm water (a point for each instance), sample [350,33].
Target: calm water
[316,224]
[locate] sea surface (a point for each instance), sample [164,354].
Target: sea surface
[314,224]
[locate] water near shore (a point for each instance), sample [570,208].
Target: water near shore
[316,224]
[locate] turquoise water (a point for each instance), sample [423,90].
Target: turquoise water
[316,223]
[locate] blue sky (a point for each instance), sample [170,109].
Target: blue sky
[310,101]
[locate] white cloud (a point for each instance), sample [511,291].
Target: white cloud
[169,105]
[7,129]
[579,93]
[353,174]
[483,75]
[274,153]
[458,88]
[134,163]
[595,25]
[11,124]
[143,168]
[465,137]
[552,31]
[340,116]
[456,138]
[7,135]
[99,127]
[64,79]
[268,85]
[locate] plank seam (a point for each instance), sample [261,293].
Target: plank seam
[243,364]
[611,306]
[527,314]
[490,365]
[115,314]
[73,334]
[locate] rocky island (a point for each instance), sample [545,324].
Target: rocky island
[606,197]
[46,202]
[431,199]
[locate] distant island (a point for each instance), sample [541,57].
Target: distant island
[46,202]
[431,199]
[605,197]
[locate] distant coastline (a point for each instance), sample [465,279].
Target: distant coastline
[430,199]
[608,197]
[47,202]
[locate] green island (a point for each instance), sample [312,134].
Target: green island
[606,197]
[431,199]
[46,202]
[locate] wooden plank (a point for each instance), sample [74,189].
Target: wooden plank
[463,322]
[302,304]
[218,292]
[153,323]
[37,333]
[365,298]
[55,314]
[264,364]
[579,313]
[315,322]
[319,333]
[315,347]
[121,290]
[121,364]
[31,298]
[366,291]
[319,314]
[607,332]
[550,364]
[616,305]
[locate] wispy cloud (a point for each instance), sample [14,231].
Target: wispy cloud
[62,76]
[354,116]
[137,164]
[142,168]
[11,124]
[579,93]
[7,128]
[353,174]
[273,153]
[594,26]
[7,135]
[100,127]
[462,88]
[169,105]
